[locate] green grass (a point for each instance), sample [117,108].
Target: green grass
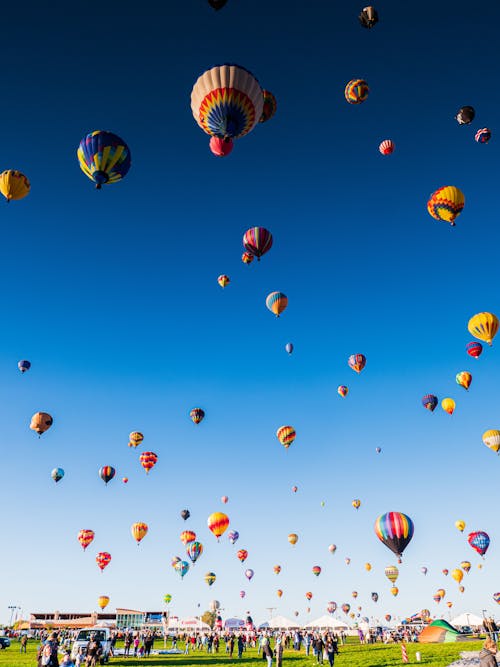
[351,655]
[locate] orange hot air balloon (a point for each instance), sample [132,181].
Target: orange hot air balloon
[394,590]
[41,422]
[368,567]
[242,555]
[218,523]
[135,439]
[449,605]
[148,460]
[286,435]
[139,531]
[85,537]
[279,592]
[187,536]
[309,595]
[103,559]
[103,601]
[277,569]
[441,592]
[293,538]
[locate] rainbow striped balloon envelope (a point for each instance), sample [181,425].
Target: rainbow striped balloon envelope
[395,530]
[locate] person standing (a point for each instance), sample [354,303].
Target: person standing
[24,642]
[488,653]
[279,650]
[240,646]
[331,649]
[319,649]
[267,651]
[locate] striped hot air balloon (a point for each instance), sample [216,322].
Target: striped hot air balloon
[491,439]
[103,559]
[286,435]
[197,415]
[270,106]
[386,147]
[257,241]
[395,530]
[483,135]
[218,523]
[356,91]
[139,531]
[106,473]
[277,302]
[85,537]
[357,362]
[446,204]
[148,460]
[103,157]
[187,536]
[474,349]
[484,326]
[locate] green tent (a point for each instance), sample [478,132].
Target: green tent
[438,632]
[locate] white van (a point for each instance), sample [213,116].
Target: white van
[99,633]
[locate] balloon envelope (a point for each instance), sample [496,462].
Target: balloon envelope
[395,530]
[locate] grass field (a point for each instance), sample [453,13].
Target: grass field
[351,655]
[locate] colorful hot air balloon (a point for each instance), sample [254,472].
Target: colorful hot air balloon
[279,592]
[430,402]
[289,348]
[392,573]
[445,572]
[309,595]
[479,541]
[57,474]
[491,439]
[368,17]
[457,575]
[85,537]
[316,570]
[185,514]
[293,538]
[436,598]
[197,415]
[496,597]
[103,157]
[139,531]
[448,405]
[357,362]
[356,91]
[441,592]
[103,559]
[103,601]
[242,594]
[355,594]
[194,551]
[464,378]
[257,241]
[346,608]
[460,525]
[484,326]
[182,568]
[24,365]
[342,390]
[247,258]
[483,135]
[356,504]
[221,147]
[135,439]
[174,561]
[249,574]
[332,548]
[270,106]
[446,204]
[388,617]
[474,349]
[465,115]
[167,599]
[125,480]
[210,578]
[394,590]
[331,607]
[148,460]
[286,435]
[277,569]
[41,422]
[375,597]
[466,566]
[386,147]
[187,536]
[232,536]
[218,523]
[14,185]
[395,530]
[277,302]
[223,280]
[242,555]
[106,473]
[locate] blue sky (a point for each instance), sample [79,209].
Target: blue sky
[113,296]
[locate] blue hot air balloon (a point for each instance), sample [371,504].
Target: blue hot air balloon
[430,402]
[24,365]
[57,474]
[103,157]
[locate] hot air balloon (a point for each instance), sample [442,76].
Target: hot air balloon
[218,523]
[57,474]
[309,595]
[194,551]
[232,536]
[356,503]
[347,560]
[224,499]
[167,599]
[464,378]
[368,17]
[187,536]
[445,572]
[106,473]
[85,537]
[276,302]
[277,569]
[247,258]
[346,608]
[210,578]
[342,390]
[460,525]
[491,439]
[257,241]
[125,480]
[242,594]
[182,568]
[423,570]
[286,435]
[139,531]
[270,106]
[316,570]
[293,538]
[221,147]
[331,607]
[483,135]
[465,115]
[448,405]
[496,597]
[289,348]
[185,514]
[395,530]
[103,559]
[223,280]
[392,573]
[466,566]
[148,460]
[474,349]
[479,541]
[368,567]
[355,594]
[242,555]
[436,598]
[457,575]
[24,365]
[14,185]
[41,422]
[174,561]
[332,548]
[103,601]
[449,605]
[103,157]
[430,402]
[357,362]
[446,204]
[387,617]
[375,597]
[356,91]
[135,439]
[249,574]
[394,590]
[279,592]
[214,605]
[378,449]
[484,326]
[386,147]
[441,592]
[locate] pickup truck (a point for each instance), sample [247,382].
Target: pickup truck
[103,635]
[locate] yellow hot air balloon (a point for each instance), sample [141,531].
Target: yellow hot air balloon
[446,204]
[13,184]
[491,439]
[392,573]
[135,439]
[368,567]
[458,575]
[448,405]
[460,525]
[139,531]
[464,378]
[466,566]
[441,592]
[293,538]
[286,435]
[394,590]
[484,326]
[103,601]
[356,503]
[218,523]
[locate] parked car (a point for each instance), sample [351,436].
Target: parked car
[465,630]
[4,642]
[103,635]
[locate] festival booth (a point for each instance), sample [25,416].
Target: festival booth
[327,623]
[472,620]
[281,623]
[186,624]
[232,624]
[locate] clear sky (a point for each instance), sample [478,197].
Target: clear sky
[113,297]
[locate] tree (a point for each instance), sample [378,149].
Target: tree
[209,618]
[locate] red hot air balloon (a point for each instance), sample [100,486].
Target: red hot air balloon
[85,537]
[257,241]
[148,460]
[242,555]
[103,559]
[247,258]
[474,349]
[357,362]
[479,541]
[386,147]
[221,147]
[309,595]
[218,523]
[316,570]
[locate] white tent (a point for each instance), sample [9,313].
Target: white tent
[327,622]
[281,622]
[466,619]
[192,623]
